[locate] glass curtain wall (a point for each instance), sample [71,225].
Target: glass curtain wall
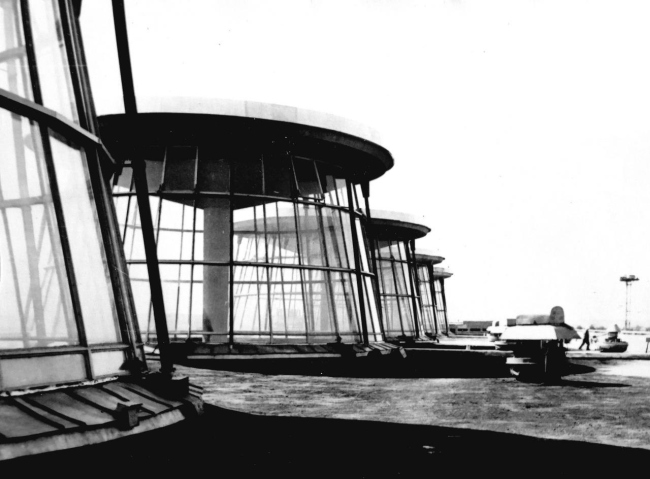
[440,304]
[63,316]
[428,309]
[396,288]
[252,248]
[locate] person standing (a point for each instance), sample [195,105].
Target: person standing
[585,340]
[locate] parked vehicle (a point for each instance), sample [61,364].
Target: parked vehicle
[611,343]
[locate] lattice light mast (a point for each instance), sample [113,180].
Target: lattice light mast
[628,296]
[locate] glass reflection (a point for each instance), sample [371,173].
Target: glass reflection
[36,306]
[14,73]
[396,291]
[51,58]
[84,235]
[441,313]
[426,299]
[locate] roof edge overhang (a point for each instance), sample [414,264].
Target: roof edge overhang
[439,273]
[394,226]
[362,160]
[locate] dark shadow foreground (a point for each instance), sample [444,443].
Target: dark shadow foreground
[225,443]
[418,364]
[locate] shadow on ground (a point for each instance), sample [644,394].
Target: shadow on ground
[421,366]
[224,443]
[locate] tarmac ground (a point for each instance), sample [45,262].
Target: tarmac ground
[395,425]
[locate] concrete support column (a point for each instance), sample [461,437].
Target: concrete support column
[216,280]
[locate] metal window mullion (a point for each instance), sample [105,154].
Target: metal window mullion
[444,302]
[124,57]
[82,70]
[151,254]
[75,63]
[308,272]
[129,199]
[231,319]
[31,55]
[192,264]
[328,277]
[357,263]
[67,253]
[56,198]
[432,287]
[302,279]
[281,270]
[399,306]
[373,258]
[268,269]
[415,289]
[178,282]
[113,250]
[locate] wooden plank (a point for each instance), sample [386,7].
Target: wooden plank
[61,403]
[106,401]
[41,413]
[151,405]
[15,423]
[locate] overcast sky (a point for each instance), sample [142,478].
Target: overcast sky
[520,130]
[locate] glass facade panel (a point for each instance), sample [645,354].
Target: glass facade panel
[88,256]
[441,313]
[36,306]
[107,363]
[346,302]
[51,58]
[396,289]
[98,32]
[291,252]
[335,245]
[56,251]
[312,240]
[40,371]
[175,230]
[14,73]
[374,328]
[427,307]
[176,284]
[307,180]
[142,296]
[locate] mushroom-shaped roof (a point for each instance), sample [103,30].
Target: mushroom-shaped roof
[394,226]
[441,273]
[426,256]
[240,126]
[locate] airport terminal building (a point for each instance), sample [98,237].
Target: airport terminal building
[256,213]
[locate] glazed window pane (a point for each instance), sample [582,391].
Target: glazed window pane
[83,231]
[14,72]
[36,306]
[51,58]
